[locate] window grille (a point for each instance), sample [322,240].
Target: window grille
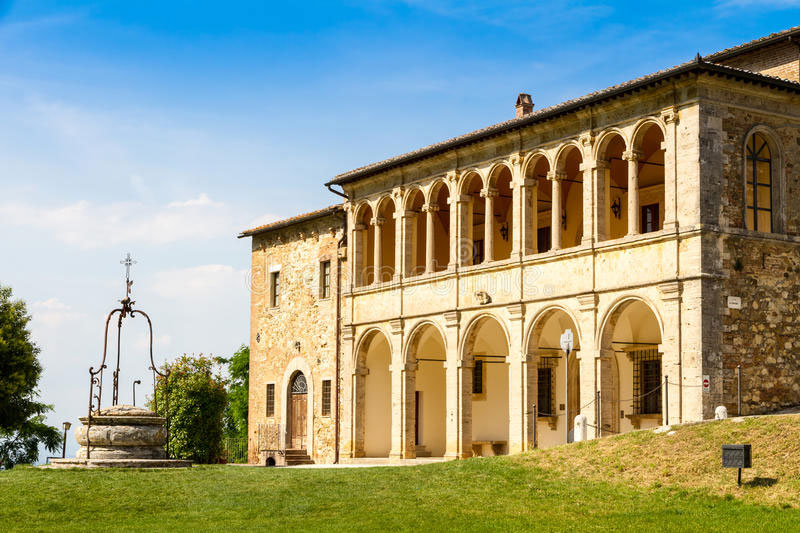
[299,385]
[546,393]
[275,285]
[646,381]
[270,400]
[325,279]
[326,397]
[477,377]
[758,184]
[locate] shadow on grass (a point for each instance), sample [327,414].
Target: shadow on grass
[760,482]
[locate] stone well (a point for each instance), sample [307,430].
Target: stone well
[122,436]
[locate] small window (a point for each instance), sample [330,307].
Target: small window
[543,239]
[326,397]
[649,218]
[646,381]
[477,378]
[758,185]
[275,289]
[270,400]
[477,252]
[544,396]
[325,279]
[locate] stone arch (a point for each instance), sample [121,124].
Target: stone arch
[500,184]
[385,209]
[485,349]
[372,395]
[642,126]
[605,138]
[473,218]
[631,365]
[777,175]
[559,158]
[413,336]
[551,365]
[466,180]
[568,165]
[438,199]
[612,184]
[364,243]
[426,354]
[533,158]
[414,231]
[296,365]
[648,160]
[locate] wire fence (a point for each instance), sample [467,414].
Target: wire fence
[236,449]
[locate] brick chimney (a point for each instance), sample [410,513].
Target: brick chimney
[524,105]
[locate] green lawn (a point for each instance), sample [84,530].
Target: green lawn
[477,494]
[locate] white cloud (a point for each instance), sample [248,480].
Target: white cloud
[202,200]
[159,342]
[87,225]
[52,313]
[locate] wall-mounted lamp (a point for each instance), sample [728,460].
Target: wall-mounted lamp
[504,231]
[616,208]
[564,220]
[297,345]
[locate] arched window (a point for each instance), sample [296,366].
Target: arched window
[758,185]
[299,385]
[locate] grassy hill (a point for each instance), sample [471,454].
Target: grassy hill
[638,480]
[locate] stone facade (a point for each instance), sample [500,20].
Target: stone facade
[299,334]
[620,216]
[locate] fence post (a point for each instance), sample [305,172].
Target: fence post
[666,400]
[534,427]
[597,421]
[739,390]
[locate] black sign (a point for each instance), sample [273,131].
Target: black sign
[736,456]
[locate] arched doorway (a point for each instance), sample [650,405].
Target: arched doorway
[373,397]
[631,395]
[486,346]
[298,412]
[544,348]
[427,350]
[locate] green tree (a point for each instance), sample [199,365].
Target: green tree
[22,426]
[197,400]
[238,392]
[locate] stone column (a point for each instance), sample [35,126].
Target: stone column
[587,142]
[670,118]
[407,222]
[517,201]
[458,430]
[521,400]
[601,197]
[452,202]
[347,444]
[529,215]
[403,378]
[429,209]
[489,194]
[555,208]
[358,254]
[670,351]
[397,194]
[377,257]
[587,306]
[632,157]
[462,247]
[609,400]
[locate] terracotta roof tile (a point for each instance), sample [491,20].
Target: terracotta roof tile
[755,43]
[297,219]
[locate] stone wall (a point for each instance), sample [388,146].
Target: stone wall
[760,269]
[303,317]
[781,60]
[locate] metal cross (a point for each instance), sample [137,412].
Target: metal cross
[128,262]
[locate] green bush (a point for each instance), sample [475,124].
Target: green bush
[197,401]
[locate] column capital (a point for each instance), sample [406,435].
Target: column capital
[587,139]
[397,192]
[451,318]
[593,164]
[516,159]
[669,115]
[403,367]
[430,208]
[408,213]
[348,333]
[459,199]
[631,155]
[670,290]
[587,302]
[452,176]
[516,311]
[396,326]
[377,221]
[489,192]
[556,175]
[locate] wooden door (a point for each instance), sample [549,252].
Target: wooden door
[298,409]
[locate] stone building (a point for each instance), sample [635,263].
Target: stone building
[658,220]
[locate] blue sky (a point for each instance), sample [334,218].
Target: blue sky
[165,128]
